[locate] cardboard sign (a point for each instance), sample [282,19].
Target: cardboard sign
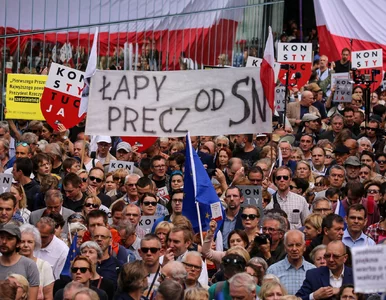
[256,62]
[305,70]
[280,98]
[61,97]
[5,182]
[120,164]
[335,76]
[294,53]
[23,96]
[163,193]
[147,222]
[369,269]
[252,196]
[204,102]
[367,59]
[343,91]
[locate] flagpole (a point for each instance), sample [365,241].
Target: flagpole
[69,232]
[199,222]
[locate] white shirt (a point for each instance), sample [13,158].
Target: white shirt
[336,282]
[55,254]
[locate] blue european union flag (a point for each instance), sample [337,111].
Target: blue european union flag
[72,253]
[197,187]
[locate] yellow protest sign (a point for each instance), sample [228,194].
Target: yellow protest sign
[23,96]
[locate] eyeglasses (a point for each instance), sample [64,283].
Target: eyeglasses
[319,183]
[82,270]
[132,215]
[181,200]
[148,203]
[98,180]
[381,162]
[159,167]
[233,261]
[246,217]
[282,177]
[76,216]
[192,267]
[293,187]
[101,236]
[153,250]
[373,191]
[334,256]
[267,200]
[162,276]
[371,129]
[91,205]
[270,229]
[321,210]
[22,144]
[329,156]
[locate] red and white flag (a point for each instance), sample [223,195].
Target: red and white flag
[267,73]
[354,24]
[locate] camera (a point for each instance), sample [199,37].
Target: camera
[262,239]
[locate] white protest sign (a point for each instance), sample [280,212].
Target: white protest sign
[279,98]
[335,76]
[204,102]
[256,62]
[294,52]
[367,59]
[147,222]
[252,196]
[120,164]
[5,182]
[343,91]
[216,211]
[369,268]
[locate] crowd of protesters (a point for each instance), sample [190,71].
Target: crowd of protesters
[322,154]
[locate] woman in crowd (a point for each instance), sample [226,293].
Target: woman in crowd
[148,204]
[86,294]
[329,157]
[91,203]
[119,177]
[299,186]
[317,256]
[250,217]
[22,286]
[30,242]
[57,155]
[78,229]
[162,231]
[347,292]
[268,152]
[8,290]
[260,267]
[266,197]
[377,231]
[76,217]
[196,294]
[110,185]
[132,281]
[381,160]
[47,131]
[83,175]
[222,158]
[94,253]
[321,183]
[312,227]
[70,165]
[21,201]
[170,289]
[297,154]
[373,188]
[42,166]
[303,171]
[368,158]
[272,290]
[176,181]
[176,147]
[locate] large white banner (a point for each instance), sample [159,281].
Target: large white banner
[205,102]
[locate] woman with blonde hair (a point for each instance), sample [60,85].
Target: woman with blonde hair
[86,294]
[162,231]
[176,147]
[21,201]
[22,285]
[312,227]
[91,203]
[272,290]
[297,154]
[303,171]
[268,152]
[197,293]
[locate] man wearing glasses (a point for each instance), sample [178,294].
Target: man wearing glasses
[295,206]
[96,179]
[102,153]
[324,282]
[193,265]
[158,168]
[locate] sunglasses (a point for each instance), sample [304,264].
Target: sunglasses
[148,203]
[162,276]
[293,187]
[246,217]
[153,250]
[371,129]
[329,156]
[282,177]
[381,162]
[233,261]
[319,184]
[84,179]
[76,216]
[92,178]
[22,144]
[82,270]
[91,205]
[362,128]
[372,191]
[267,200]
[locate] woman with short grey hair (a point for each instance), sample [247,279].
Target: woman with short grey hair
[94,253]
[31,241]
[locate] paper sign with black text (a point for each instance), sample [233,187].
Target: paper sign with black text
[5,182]
[120,164]
[147,222]
[204,102]
[369,268]
[343,91]
[294,52]
[280,98]
[252,196]
[335,76]
[256,62]
[367,59]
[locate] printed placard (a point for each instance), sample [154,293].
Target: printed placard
[147,222]
[204,102]
[294,52]
[216,211]
[256,62]
[23,96]
[120,164]
[252,196]
[5,182]
[367,59]
[335,76]
[343,91]
[369,268]
[163,193]
[280,98]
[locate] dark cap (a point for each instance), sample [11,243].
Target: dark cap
[352,161]
[342,149]
[11,229]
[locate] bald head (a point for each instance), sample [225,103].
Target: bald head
[307,98]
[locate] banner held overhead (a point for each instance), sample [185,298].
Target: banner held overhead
[210,102]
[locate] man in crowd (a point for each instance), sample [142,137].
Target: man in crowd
[242,286]
[286,148]
[306,144]
[352,166]
[131,189]
[192,262]
[129,239]
[318,156]
[344,64]
[96,180]
[158,168]
[337,122]
[245,149]
[132,213]
[73,196]
[322,206]
[7,207]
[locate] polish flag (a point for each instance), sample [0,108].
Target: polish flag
[353,24]
[267,73]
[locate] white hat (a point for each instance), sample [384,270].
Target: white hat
[124,146]
[103,138]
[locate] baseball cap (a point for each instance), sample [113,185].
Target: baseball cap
[124,146]
[103,138]
[313,87]
[352,161]
[260,135]
[11,229]
[310,117]
[342,149]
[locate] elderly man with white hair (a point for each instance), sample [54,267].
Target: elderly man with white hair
[242,286]
[364,144]
[174,270]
